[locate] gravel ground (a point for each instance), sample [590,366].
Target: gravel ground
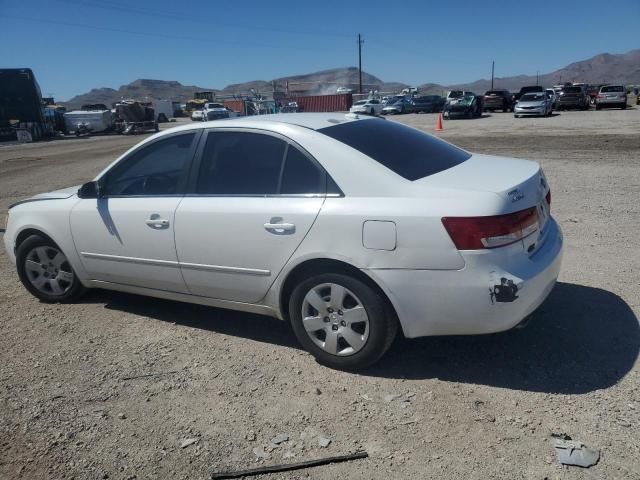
[116,386]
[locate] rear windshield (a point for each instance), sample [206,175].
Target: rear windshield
[494,92]
[572,89]
[531,89]
[404,150]
[612,88]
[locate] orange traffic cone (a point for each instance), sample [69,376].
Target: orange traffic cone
[439,123]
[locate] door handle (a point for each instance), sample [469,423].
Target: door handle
[157,222]
[279,227]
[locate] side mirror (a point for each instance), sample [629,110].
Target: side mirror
[89,190]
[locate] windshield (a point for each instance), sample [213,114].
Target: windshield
[533,97]
[572,89]
[406,151]
[455,93]
[531,89]
[612,88]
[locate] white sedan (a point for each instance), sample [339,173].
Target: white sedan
[317,219]
[368,107]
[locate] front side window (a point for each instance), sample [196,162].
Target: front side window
[156,169]
[239,163]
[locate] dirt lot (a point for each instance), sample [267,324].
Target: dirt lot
[441,408]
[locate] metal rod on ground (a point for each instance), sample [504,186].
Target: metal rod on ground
[360,42]
[291,466]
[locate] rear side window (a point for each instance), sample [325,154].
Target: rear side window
[300,175]
[406,151]
[612,88]
[237,163]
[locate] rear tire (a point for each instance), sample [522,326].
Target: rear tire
[45,271]
[624,107]
[352,326]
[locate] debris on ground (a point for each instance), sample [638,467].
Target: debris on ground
[260,453]
[575,453]
[251,436]
[188,441]
[324,442]
[287,467]
[391,397]
[280,438]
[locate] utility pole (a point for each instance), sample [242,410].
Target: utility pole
[537,77]
[493,64]
[360,42]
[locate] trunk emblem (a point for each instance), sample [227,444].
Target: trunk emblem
[515,195]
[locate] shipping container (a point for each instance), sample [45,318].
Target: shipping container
[324,103]
[236,106]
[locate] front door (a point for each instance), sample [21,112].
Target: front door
[127,235]
[256,197]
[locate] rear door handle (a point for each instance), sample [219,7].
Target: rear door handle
[157,222]
[279,227]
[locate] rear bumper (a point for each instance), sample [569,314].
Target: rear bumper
[466,302]
[611,101]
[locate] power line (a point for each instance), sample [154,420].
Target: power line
[216,41]
[176,16]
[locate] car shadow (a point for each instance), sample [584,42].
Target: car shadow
[581,339]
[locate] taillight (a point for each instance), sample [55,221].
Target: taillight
[476,233]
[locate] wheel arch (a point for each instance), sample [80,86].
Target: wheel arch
[320,265]
[28,232]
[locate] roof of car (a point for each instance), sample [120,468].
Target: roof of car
[313,121]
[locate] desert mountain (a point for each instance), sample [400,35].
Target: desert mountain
[603,68]
[606,67]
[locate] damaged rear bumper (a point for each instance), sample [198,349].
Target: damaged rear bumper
[494,292]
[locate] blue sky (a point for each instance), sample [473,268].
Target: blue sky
[76,45]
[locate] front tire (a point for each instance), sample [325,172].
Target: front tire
[342,321]
[45,271]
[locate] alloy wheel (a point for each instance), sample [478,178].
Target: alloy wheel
[49,271]
[335,319]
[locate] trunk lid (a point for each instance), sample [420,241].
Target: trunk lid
[519,184]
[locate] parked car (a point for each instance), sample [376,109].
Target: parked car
[469,106]
[536,103]
[612,96]
[497,100]
[455,94]
[528,89]
[427,104]
[197,115]
[410,91]
[343,90]
[573,96]
[396,105]
[216,111]
[369,107]
[265,215]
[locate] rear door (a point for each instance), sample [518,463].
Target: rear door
[254,198]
